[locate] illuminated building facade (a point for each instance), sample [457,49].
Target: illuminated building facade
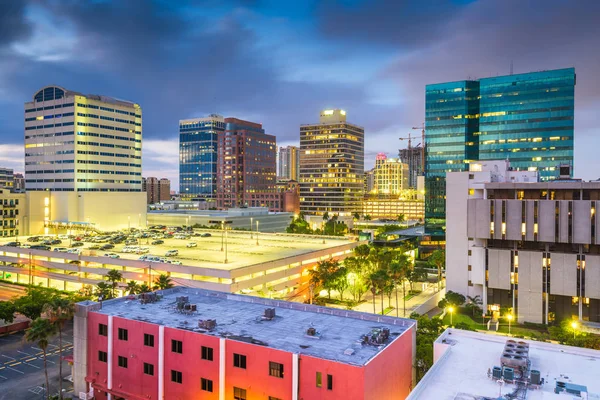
[390,175]
[413,156]
[246,166]
[156,190]
[198,141]
[288,163]
[331,165]
[527,119]
[7,178]
[82,143]
[12,213]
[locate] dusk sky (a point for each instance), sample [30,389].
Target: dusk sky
[280,62]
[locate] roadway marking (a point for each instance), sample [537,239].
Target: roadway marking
[31,365]
[50,361]
[17,363]
[16,370]
[8,357]
[3,377]
[35,348]
[31,359]
[22,352]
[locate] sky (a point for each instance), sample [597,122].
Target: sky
[280,62]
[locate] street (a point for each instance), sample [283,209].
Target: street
[7,291]
[22,366]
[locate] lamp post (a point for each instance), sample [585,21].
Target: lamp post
[225,245]
[257,232]
[510,318]
[251,225]
[451,310]
[222,233]
[574,325]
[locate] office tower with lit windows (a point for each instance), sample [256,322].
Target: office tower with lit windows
[7,178]
[82,143]
[288,163]
[198,140]
[246,166]
[390,175]
[331,165]
[527,119]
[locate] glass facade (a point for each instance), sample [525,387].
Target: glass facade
[528,119]
[451,126]
[198,139]
[525,118]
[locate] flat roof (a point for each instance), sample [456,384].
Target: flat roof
[238,318]
[461,370]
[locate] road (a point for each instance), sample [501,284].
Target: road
[8,291]
[22,366]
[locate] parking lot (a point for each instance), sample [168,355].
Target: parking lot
[22,366]
[241,248]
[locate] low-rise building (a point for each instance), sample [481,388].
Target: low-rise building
[157,190]
[527,245]
[192,343]
[6,178]
[391,206]
[12,215]
[470,365]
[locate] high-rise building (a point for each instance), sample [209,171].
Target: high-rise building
[289,163]
[198,141]
[390,175]
[157,190]
[332,165]
[369,180]
[238,347]
[246,166]
[7,178]
[19,182]
[525,245]
[413,156]
[82,143]
[525,118]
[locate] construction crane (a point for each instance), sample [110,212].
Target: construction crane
[410,137]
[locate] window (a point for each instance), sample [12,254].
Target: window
[319,379]
[275,369]
[239,394]
[176,376]
[470,283]
[469,252]
[239,361]
[122,362]
[102,330]
[102,356]
[274,398]
[148,369]
[122,334]
[148,340]
[329,382]
[206,385]
[469,268]
[177,346]
[207,353]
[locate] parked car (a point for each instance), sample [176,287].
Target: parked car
[74,251]
[142,250]
[172,253]
[56,241]
[61,249]
[34,239]
[13,244]
[157,242]
[112,255]
[76,244]
[63,237]
[40,247]
[206,234]
[94,247]
[192,244]
[131,241]
[174,262]
[107,246]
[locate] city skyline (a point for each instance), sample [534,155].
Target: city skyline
[309,68]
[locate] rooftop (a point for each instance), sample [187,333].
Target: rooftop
[464,358]
[339,332]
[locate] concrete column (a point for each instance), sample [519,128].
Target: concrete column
[222,362]
[110,353]
[80,333]
[295,376]
[161,362]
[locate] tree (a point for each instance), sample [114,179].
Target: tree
[114,277]
[144,288]
[103,291]
[452,299]
[474,305]
[416,274]
[58,312]
[356,216]
[401,218]
[367,217]
[162,282]
[428,331]
[299,225]
[378,281]
[132,287]
[40,331]
[324,275]
[326,216]
[397,271]
[357,272]
[7,311]
[32,303]
[438,259]
[340,281]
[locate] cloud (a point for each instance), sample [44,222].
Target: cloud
[13,24]
[11,156]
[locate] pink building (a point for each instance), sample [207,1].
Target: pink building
[199,344]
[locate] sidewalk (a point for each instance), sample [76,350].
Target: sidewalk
[411,304]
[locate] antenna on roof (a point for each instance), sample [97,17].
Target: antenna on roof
[511,67]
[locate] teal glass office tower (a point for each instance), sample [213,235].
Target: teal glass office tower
[525,118]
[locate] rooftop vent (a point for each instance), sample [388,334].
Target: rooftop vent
[146,298]
[208,324]
[269,314]
[377,337]
[311,331]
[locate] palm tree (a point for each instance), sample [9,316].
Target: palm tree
[163,282]
[143,288]
[326,216]
[378,283]
[438,259]
[132,287]
[40,332]
[397,272]
[102,291]
[367,217]
[114,277]
[356,216]
[58,312]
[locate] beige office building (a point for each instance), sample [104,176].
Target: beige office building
[530,246]
[12,215]
[82,143]
[390,175]
[331,165]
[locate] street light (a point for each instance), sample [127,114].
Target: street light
[257,232]
[225,245]
[509,317]
[450,310]
[574,325]
[222,233]
[251,225]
